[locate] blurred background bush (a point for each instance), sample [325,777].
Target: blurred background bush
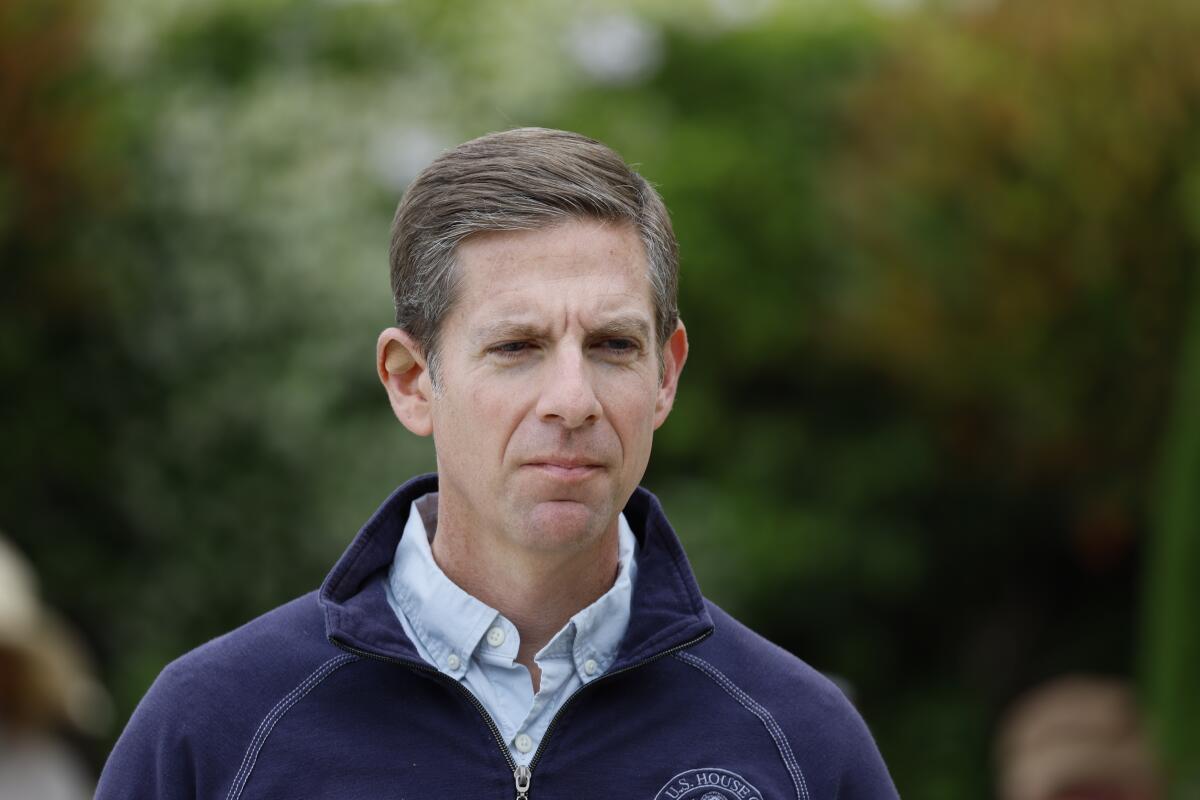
[940,431]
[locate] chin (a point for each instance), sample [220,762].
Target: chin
[569,524]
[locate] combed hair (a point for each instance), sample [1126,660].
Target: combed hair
[522,179]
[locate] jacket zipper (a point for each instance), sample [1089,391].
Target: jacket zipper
[519,772]
[522,775]
[537,754]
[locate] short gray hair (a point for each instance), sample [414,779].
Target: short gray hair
[522,179]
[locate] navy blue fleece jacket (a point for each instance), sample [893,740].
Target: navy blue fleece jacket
[325,697]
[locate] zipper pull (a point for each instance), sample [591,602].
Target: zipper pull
[522,775]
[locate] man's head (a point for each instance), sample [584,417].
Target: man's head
[538,339]
[521,179]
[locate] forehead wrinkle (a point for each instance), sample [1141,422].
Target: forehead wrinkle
[524,274]
[507,288]
[514,304]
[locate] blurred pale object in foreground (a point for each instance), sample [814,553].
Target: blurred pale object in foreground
[39,768]
[1076,738]
[46,685]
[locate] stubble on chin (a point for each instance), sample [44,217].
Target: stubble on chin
[562,525]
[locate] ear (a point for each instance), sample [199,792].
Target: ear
[403,372]
[675,352]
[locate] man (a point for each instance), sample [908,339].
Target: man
[524,623]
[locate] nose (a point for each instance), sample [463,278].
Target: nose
[567,395]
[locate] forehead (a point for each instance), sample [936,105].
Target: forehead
[579,265]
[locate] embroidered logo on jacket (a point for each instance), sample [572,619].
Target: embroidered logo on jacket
[708,783]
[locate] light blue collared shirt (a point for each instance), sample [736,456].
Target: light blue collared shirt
[474,644]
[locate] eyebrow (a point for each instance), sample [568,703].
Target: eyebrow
[505,330]
[623,325]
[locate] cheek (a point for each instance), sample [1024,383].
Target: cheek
[632,415]
[496,415]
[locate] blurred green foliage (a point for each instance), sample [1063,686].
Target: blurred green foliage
[937,264]
[1173,637]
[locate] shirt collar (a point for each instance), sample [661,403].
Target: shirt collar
[448,621]
[594,633]
[445,619]
[668,610]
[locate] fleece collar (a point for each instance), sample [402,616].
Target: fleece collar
[667,609]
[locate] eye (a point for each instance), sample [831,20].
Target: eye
[619,348]
[510,349]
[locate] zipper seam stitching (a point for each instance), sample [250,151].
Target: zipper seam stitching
[764,716]
[277,712]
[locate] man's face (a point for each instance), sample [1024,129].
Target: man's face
[549,390]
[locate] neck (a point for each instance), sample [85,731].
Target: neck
[538,591]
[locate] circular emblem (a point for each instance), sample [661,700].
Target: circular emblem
[708,783]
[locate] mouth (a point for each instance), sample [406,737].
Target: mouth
[565,469]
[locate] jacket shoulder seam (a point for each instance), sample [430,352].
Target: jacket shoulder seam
[764,716]
[250,759]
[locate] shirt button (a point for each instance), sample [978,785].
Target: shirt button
[590,666]
[524,743]
[495,636]
[453,661]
